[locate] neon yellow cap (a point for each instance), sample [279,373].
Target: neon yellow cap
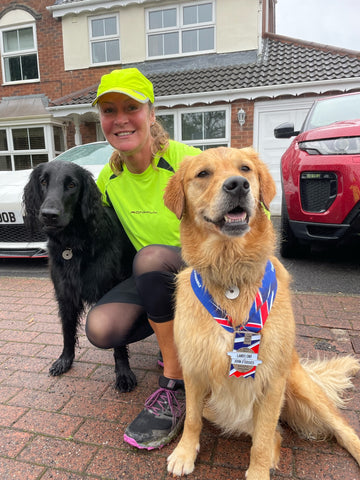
[130,82]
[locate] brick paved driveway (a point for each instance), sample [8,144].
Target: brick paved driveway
[71,427]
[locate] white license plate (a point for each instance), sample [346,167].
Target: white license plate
[11,218]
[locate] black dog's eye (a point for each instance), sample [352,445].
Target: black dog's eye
[43,182]
[244,168]
[203,173]
[71,185]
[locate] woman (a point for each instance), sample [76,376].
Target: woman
[133,184]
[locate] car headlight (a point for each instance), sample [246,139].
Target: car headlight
[332,146]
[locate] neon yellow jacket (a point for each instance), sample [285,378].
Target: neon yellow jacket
[138,198]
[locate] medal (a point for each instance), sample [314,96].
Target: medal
[244,359]
[67,254]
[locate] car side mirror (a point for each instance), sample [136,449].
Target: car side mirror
[285,130]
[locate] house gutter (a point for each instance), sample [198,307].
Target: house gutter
[79,6]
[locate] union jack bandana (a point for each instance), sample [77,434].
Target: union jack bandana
[244,357]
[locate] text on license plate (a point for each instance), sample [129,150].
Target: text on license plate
[11,218]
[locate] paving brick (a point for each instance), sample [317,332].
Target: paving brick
[52,474]
[324,467]
[28,364]
[13,348]
[57,453]
[12,442]
[9,414]
[233,452]
[87,407]
[13,470]
[79,387]
[48,423]
[7,393]
[100,433]
[118,464]
[355,341]
[40,400]
[42,381]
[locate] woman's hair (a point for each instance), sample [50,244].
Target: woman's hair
[160,144]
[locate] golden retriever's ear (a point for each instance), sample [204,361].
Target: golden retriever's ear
[174,197]
[267,184]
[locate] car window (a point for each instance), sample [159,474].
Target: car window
[333,110]
[88,154]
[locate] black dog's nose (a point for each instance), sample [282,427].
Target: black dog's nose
[236,186]
[49,215]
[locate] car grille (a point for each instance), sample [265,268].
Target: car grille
[318,190]
[18,233]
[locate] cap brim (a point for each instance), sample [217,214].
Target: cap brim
[139,97]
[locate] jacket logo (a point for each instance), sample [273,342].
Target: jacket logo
[138,212]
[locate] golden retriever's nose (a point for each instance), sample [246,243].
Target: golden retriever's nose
[236,186]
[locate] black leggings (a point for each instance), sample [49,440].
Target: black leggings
[121,315]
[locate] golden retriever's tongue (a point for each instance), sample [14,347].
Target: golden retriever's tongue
[235,217]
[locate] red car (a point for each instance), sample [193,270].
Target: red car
[320,174]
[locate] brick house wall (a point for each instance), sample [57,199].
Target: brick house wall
[242,136]
[55,82]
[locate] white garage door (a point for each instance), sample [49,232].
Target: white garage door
[267,116]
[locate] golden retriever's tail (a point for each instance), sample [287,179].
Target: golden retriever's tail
[333,376]
[314,391]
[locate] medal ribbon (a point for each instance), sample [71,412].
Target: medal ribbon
[258,315]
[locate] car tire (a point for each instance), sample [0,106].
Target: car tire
[289,246]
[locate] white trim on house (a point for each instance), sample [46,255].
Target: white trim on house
[271,91]
[75,8]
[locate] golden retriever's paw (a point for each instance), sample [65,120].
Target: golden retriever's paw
[181,462]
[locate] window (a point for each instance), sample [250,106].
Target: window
[181,30]
[201,128]
[25,147]
[104,39]
[19,54]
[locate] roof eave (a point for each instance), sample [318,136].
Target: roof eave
[251,93]
[75,8]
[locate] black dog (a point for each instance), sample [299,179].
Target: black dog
[88,249]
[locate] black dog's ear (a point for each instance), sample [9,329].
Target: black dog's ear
[32,199]
[91,198]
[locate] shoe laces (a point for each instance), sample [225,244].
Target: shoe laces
[165,401]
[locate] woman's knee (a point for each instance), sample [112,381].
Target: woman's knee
[154,258]
[99,328]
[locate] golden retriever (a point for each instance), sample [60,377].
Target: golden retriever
[222,197]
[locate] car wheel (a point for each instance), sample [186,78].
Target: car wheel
[289,246]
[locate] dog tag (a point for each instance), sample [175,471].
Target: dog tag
[67,254]
[232,292]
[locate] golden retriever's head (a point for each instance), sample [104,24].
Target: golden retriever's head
[221,187]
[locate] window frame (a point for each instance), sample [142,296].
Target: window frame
[4,55]
[93,40]
[179,28]
[209,142]
[49,142]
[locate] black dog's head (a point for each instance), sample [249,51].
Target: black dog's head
[56,193]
